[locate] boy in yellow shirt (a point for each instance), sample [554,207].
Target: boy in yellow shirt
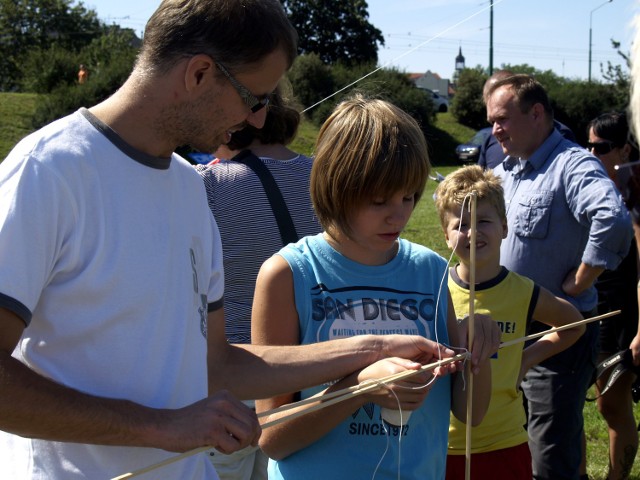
[499,448]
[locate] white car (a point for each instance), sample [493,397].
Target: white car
[440,103]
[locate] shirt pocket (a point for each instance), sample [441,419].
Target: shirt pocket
[533,214]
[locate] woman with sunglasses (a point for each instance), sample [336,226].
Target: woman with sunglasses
[609,142]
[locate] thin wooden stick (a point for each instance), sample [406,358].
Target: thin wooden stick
[351,392]
[163,463]
[471,331]
[323,402]
[340,395]
[558,329]
[380,382]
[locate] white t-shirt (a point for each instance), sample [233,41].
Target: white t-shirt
[111,257]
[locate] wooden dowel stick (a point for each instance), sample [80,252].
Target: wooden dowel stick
[337,396]
[558,329]
[382,381]
[471,332]
[163,463]
[349,392]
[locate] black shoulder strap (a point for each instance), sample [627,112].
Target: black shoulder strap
[278,206]
[619,363]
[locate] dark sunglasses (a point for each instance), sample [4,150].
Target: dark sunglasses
[600,148]
[254,103]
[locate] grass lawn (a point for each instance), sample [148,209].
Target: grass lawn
[424,226]
[15,119]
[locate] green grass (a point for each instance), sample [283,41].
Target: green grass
[424,226]
[15,119]
[305,139]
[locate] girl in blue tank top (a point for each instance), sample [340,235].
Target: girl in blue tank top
[359,277]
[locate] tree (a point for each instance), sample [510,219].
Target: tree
[580,101]
[467,106]
[110,59]
[40,24]
[311,79]
[618,75]
[336,30]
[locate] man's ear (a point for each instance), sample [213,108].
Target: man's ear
[505,228]
[537,111]
[198,70]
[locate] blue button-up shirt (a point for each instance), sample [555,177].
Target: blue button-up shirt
[562,209]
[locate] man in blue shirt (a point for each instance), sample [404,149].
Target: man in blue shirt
[491,153]
[567,223]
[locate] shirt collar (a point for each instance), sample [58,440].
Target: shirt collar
[539,157]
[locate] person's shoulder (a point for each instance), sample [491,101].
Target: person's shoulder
[224,171]
[305,248]
[572,157]
[518,278]
[565,131]
[418,250]
[68,136]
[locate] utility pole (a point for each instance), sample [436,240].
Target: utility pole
[491,39]
[590,32]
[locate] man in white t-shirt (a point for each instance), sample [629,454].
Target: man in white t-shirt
[112,345]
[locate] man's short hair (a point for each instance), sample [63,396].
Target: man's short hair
[527,90]
[233,32]
[367,149]
[452,191]
[497,76]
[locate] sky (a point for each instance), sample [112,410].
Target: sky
[422,35]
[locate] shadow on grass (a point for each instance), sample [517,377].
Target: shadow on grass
[442,147]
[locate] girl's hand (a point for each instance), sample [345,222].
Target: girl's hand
[408,394]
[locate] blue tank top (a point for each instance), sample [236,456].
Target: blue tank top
[336,298]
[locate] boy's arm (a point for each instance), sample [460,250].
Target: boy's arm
[555,312]
[485,343]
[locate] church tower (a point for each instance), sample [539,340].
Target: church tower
[459,65]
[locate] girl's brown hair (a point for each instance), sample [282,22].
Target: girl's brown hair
[368,148]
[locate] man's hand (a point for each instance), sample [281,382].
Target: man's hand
[220,421]
[413,347]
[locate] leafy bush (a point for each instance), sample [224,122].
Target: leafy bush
[575,102]
[28,25]
[45,69]
[467,106]
[109,59]
[312,81]
[578,102]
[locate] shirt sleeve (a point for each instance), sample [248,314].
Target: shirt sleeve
[596,203]
[36,230]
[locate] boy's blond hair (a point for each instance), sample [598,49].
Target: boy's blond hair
[368,148]
[452,191]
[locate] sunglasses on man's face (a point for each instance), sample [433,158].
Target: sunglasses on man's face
[255,104]
[600,148]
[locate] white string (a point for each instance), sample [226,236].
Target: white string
[411,50]
[388,434]
[445,275]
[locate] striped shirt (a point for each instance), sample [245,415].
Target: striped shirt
[248,228]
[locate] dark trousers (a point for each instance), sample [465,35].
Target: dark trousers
[555,392]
